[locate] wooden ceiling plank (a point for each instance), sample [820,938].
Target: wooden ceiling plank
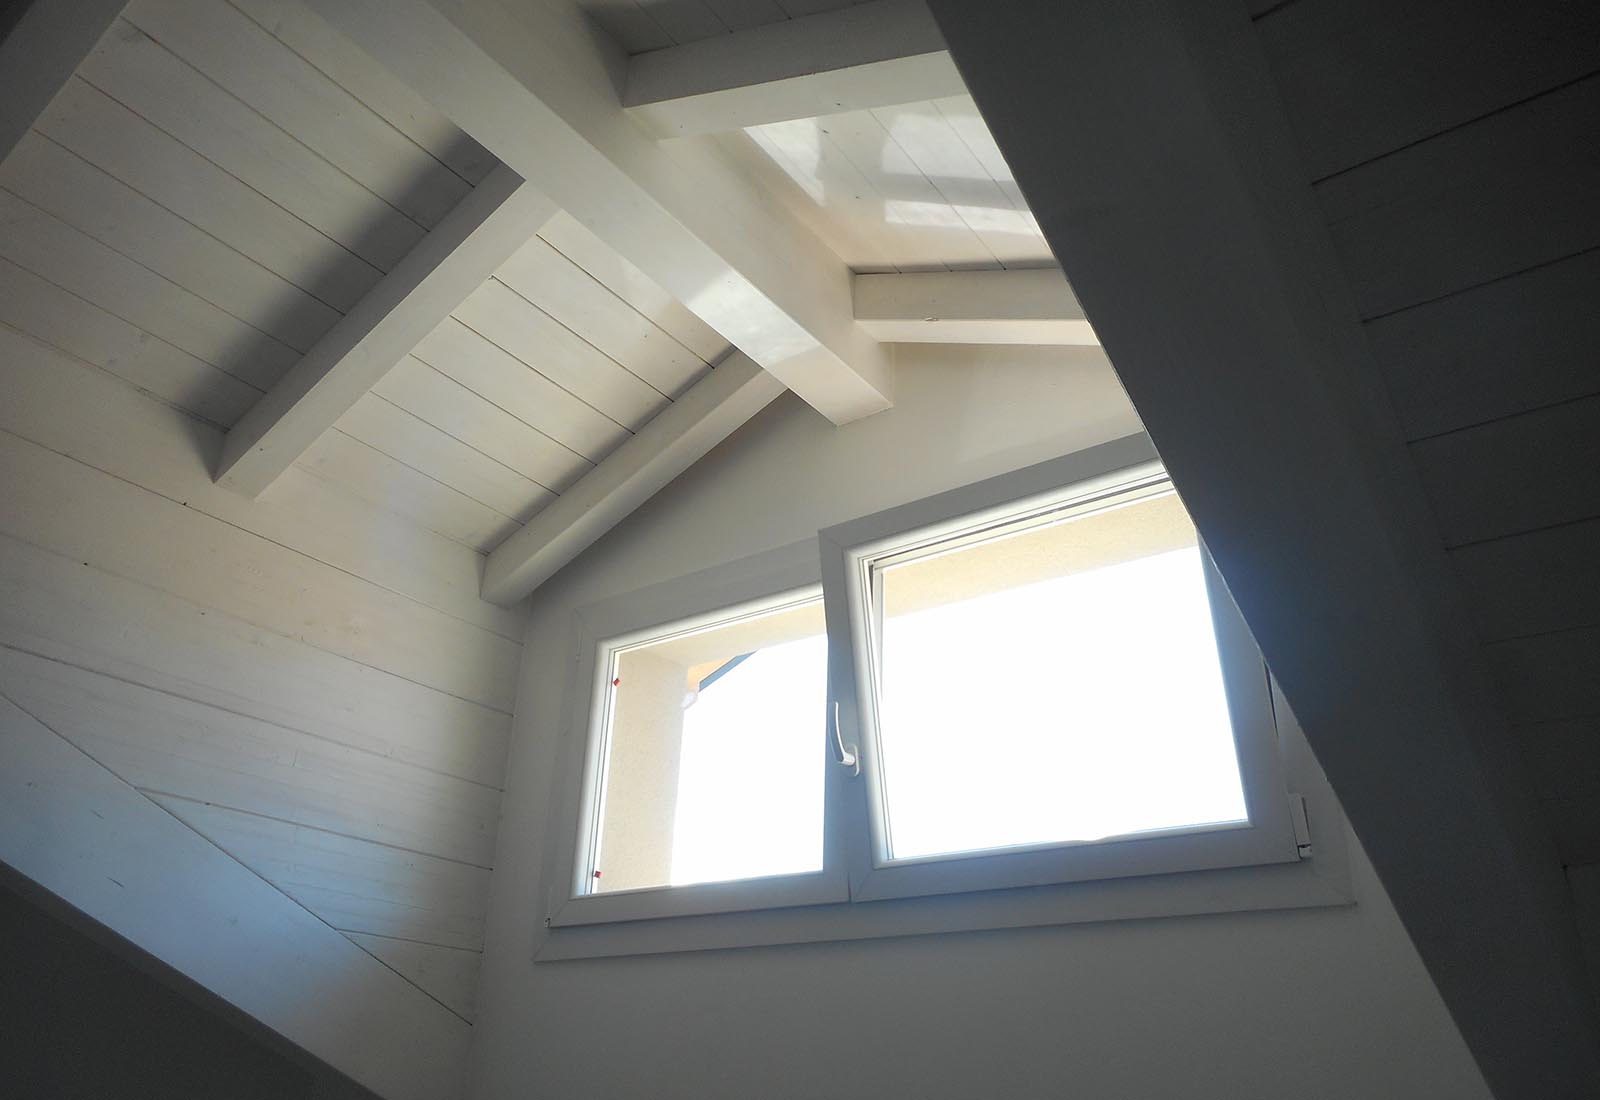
[455,258]
[39,54]
[664,448]
[536,87]
[1019,306]
[869,55]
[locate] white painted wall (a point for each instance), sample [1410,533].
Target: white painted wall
[1327,1003]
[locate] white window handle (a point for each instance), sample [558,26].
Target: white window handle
[846,754]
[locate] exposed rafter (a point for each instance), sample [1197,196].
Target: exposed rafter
[870,55]
[495,219]
[1181,211]
[1029,306]
[664,448]
[537,86]
[39,54]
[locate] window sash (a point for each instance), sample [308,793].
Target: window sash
[1125,469]
[733,592]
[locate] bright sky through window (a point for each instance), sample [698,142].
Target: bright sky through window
[715,764]
[750,774]
[1071,709]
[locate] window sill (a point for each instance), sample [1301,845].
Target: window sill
[1322,881]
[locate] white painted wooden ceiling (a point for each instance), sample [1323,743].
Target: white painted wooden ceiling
[918,187]
[642,25]
[543,371]
[203,201]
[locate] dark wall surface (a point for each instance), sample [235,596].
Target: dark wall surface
[80,1022]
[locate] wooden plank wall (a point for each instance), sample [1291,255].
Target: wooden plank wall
[309,680]
[1454,151]
[142,876]
[313,685]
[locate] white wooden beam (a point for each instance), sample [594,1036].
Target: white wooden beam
[81,833]
[537,86]
[1151,136]
[661,450]
[1028,306]
[498,217]
[40,53]
[871,55]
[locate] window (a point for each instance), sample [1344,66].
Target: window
[706,785]
[1033,681]
[1050,686]
[1055,680]
[710,767]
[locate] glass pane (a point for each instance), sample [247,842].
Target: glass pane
[1055,683]
[715,758]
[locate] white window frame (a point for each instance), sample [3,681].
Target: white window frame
[860,895]
[1079,482]
[695,603]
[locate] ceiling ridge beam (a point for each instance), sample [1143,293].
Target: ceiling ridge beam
[876,54]
[678,437]
[1026,306]
[537,85]
[468,245]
